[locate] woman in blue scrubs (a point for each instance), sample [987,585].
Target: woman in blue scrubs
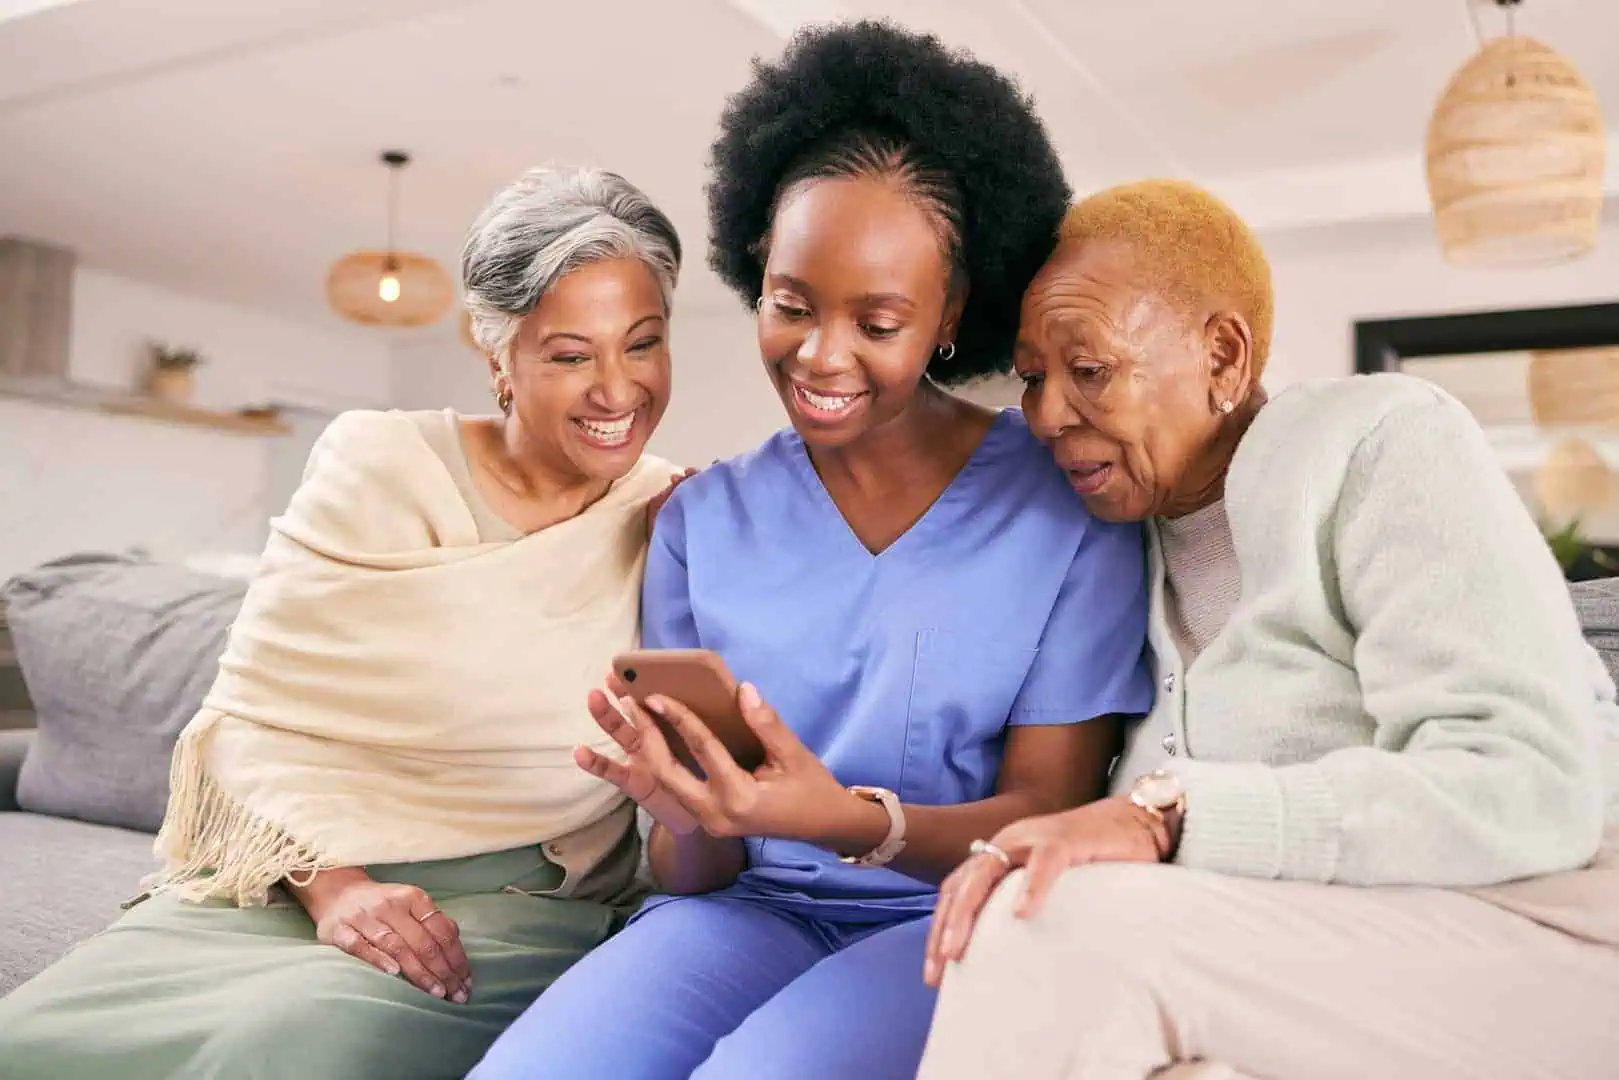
[944,637]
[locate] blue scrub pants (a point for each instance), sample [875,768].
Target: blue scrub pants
[729,988]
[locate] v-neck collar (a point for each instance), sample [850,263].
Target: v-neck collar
[937,511]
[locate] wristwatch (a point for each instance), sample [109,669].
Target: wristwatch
[894,842]
[1161,794]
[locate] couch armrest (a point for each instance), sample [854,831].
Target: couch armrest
[13,745]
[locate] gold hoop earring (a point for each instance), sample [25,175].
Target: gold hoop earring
[503,398]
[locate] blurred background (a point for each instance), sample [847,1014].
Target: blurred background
[188,189]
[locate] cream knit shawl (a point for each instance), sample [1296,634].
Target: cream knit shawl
[395,690]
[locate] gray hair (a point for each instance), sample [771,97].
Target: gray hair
[552,221]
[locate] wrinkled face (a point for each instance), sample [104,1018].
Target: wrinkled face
[589,372]
[1124,385]
[855,301]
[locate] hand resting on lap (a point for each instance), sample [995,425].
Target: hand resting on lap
[397,929]
[1108,830]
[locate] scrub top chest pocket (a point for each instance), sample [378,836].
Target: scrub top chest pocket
[963,689]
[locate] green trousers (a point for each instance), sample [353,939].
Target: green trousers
[183,991]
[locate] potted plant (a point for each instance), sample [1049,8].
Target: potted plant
[1580,559]
[170,373]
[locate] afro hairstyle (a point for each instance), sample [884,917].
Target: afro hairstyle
[1188,243]
[863,98]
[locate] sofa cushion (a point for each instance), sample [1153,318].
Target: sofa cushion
[1597,604]
[117,653]
[64,881]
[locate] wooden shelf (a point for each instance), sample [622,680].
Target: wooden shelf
[138,406]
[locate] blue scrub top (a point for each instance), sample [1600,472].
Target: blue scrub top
[1005,604]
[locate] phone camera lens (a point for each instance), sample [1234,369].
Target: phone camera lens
[629,674]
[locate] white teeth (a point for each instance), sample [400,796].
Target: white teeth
[611,432]
[828,402]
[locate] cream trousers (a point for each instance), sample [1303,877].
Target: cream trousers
[1134,971]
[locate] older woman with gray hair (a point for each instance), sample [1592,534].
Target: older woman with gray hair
[1362,832]
[378,850]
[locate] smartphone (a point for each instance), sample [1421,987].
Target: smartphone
[699,680]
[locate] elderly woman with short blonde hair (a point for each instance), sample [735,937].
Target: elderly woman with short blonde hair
[1361,833]
[377,849]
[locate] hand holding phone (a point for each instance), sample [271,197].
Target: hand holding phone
[699,680]
[746,772]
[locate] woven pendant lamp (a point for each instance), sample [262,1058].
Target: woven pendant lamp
[1515,157]
[389,287]
[1573,481]
[1575,386]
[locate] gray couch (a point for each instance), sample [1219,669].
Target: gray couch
[118,653]
[60,880]
[115,654]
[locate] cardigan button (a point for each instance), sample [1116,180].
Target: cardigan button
[1169,683]
[1169,744]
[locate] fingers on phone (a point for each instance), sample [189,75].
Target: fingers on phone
[715,760]
[777,739]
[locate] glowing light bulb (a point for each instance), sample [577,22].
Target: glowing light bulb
[388,289]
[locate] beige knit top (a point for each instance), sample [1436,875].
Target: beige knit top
[1203,581]
[441,430]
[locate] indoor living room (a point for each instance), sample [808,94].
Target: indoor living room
[227,227]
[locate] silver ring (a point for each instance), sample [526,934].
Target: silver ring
[429,915]
[984,847]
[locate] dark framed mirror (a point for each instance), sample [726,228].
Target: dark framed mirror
[1544,385]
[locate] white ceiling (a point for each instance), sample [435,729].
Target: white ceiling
[228,147]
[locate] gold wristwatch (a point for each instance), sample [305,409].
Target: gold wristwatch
[1161,794]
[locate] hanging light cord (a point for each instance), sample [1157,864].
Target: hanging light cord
[1471,7]
[1509,7]
[395,160]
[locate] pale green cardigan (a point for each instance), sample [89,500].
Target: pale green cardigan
[1403,695]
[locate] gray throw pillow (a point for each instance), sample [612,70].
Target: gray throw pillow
[117,653]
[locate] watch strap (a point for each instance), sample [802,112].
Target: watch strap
[885,852]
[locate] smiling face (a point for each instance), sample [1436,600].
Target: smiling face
[856,299]
[1125,384]
[589,372]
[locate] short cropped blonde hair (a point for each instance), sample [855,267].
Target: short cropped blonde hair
[1188,243]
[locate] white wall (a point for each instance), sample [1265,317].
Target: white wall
[1327,279]
[73,480]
